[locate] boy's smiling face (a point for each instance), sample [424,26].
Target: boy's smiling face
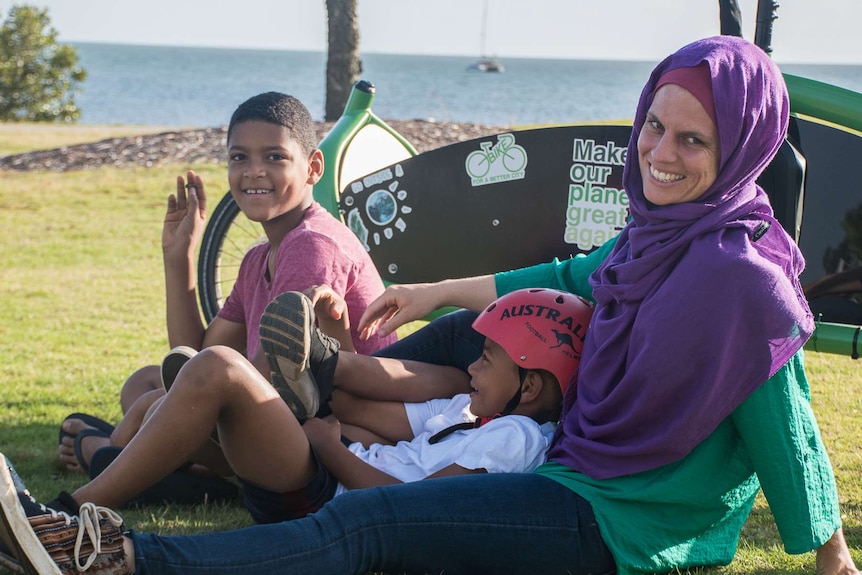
[268,172]
[494,379]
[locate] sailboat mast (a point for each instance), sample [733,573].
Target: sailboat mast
[485,64]
[484,26]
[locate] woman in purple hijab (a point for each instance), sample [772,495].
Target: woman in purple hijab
[691,395]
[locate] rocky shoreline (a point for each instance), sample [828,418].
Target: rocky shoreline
[208,146]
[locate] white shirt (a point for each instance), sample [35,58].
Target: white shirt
[510,444]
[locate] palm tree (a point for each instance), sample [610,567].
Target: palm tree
[730,18]
[343,65]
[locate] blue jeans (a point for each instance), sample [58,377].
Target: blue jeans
[448,340]
[471,524]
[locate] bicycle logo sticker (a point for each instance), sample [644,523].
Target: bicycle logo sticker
[498,162]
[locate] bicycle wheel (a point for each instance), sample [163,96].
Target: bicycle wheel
[227,237]
[478,164]
[515,159]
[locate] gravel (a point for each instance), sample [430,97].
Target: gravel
[208,146]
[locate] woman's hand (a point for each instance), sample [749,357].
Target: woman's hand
[185,217]
[397,305]
[833,558]
[401,304]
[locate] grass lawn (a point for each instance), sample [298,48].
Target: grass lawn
[82,306]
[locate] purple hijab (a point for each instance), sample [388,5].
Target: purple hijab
[697,306]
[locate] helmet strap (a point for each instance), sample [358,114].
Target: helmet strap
[510,407]
[513,403]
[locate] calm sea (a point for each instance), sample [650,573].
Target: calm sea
[171,86]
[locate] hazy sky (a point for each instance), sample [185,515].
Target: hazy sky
[823,31]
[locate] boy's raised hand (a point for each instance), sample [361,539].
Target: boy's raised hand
[185,217]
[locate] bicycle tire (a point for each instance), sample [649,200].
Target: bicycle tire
[227,238]
[517,155]
[478,165]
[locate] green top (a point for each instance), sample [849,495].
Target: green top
[571,275]
[690,512]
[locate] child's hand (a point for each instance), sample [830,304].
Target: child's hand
[321,432]
[327,303]
[331,311]
[185,217]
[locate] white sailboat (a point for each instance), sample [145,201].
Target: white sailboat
[485,63]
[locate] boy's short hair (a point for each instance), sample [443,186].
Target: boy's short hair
[282,110]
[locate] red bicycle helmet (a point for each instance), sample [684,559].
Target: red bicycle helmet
[539,329]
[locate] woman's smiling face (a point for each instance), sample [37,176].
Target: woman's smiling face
[678,148]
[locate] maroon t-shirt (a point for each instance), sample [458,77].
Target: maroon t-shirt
[321,250]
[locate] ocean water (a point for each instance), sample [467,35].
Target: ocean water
[171,86]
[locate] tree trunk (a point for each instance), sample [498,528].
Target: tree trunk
[343,65]
[730,18]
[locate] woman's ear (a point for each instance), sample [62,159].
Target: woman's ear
[315,166]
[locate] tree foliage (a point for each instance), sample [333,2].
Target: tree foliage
[39,78]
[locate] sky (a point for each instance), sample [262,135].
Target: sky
[807,31]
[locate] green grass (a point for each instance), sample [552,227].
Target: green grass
[82,306]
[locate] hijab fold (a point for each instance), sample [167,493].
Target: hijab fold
[696,306]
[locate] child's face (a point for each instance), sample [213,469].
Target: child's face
[268,172]
[494,379]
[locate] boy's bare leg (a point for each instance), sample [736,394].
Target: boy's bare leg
[259,435]
[307,365]
[388,379]
[209,459]
[363,436]
[134,418]
[370,420]
[377,377]
[143,381]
